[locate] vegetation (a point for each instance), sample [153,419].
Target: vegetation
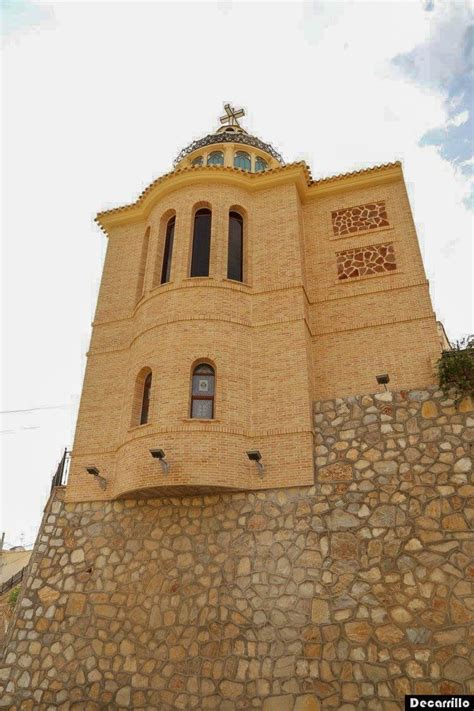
[456,367]
[13,596]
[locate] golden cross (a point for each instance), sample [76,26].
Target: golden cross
[231,115]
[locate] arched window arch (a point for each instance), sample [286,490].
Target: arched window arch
[242,160]
[215,158]
[198,161]
[201,243]
[168,251]
[260,164]
[202,392]
[235,247]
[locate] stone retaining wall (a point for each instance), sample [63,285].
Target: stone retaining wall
[344,595]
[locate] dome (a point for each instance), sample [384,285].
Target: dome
[230,132]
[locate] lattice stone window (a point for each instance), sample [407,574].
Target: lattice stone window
[361,218]
[374,259]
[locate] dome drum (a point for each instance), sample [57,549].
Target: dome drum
[236,141]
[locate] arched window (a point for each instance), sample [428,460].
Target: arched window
[198,161]
[260,164]
[215,158]
[168,251]
[145,400]
[242,160]
[201,243]
[235,250]
[202,394]
[142,266]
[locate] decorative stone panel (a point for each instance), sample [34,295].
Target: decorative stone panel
[347,594]
[362,218]
[374,259]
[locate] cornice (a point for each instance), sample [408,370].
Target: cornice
[294,173]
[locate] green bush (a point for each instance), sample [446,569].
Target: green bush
[13,596]
[456,367]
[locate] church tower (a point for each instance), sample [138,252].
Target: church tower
[236,291]
[270,498]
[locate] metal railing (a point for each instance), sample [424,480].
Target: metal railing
[61,475]
[11,582]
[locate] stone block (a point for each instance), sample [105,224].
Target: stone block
[76,603]
[278,703]
[429,409]
[307,703]
[335,472]
[320,611]
[344,546]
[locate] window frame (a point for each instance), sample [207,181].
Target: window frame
[215,153]
[237,154]
[211,398]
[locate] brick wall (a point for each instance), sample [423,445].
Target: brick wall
[291,333]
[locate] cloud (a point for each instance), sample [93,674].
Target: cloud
[443,62]
[459,119]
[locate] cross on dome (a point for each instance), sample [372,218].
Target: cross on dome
[231,115]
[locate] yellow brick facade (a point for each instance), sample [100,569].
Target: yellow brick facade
[290,334]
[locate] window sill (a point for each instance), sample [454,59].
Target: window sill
[235,282]
[199,278]
[158,286]
[139,427]
[200,419]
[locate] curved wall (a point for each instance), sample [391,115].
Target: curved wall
[254,334]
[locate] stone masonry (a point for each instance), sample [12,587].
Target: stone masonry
[346,595]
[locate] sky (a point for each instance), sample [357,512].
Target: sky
[98,98]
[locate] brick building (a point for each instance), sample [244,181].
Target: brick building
[246,309]
[286,290]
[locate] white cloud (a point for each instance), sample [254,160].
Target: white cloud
[459,119]
[100,105]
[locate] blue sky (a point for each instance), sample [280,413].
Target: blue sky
[100,97]
[444,63]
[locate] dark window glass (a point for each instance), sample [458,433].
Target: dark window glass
[168,251]
[145,400]
[201,243]
[235,247]
[202,394]
[198,161]
[260,164]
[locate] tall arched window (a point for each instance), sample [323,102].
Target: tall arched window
[168,251]
[242,160]
[202,393]
[215,158]
[260,164]
[142,265]
[235,250]
[201,243]
[145,400]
